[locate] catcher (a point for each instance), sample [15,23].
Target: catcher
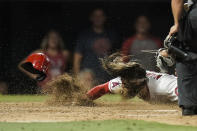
[133,80]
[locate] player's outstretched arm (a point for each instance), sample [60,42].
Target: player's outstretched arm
[113,86]
[98,91]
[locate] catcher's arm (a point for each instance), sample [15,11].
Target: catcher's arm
[177,9]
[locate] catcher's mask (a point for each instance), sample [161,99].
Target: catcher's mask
[37,63]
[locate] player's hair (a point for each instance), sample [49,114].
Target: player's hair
[132,74]
[45,41]
[115,65]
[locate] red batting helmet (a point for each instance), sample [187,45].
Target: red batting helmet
[37,63]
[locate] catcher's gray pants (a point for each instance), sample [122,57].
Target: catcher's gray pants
[187,71]
[188,29]
[187,84]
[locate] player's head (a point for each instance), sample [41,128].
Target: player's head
[98,17]
[37,63]
[132,74]
[52,40]
[131,88]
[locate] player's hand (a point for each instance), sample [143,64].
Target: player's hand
[164,53]
[174,29]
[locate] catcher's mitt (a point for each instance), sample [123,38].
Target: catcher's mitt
[133,76]
[165,63]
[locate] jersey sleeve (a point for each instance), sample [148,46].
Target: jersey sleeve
[115,85]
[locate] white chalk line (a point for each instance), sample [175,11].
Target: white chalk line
[168,113]
[148,115]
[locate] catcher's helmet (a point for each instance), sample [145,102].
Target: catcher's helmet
[37,63]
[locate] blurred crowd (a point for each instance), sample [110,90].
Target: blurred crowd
[94,43]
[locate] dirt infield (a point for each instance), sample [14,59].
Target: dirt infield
[42,112]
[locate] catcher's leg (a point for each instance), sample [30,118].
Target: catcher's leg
[113,86]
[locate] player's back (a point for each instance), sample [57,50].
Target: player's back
[162,86]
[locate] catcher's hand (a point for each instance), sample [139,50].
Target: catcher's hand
[164,61]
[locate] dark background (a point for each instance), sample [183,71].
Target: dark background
[23,24]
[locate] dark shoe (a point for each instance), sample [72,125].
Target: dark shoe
[189,112]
